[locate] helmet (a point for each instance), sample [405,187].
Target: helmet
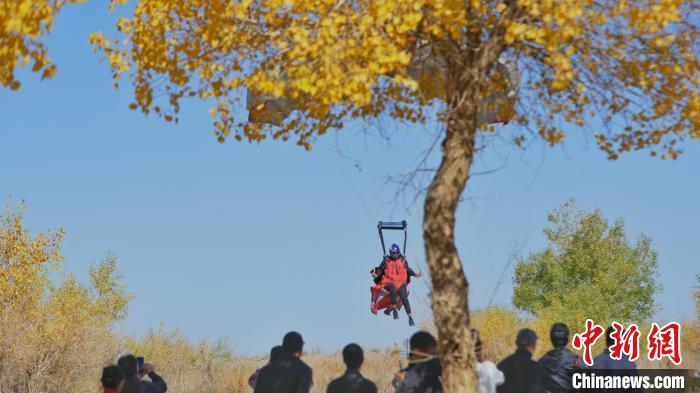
[394,251]
[559,334]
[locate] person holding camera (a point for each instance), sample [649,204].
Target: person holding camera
[134,382]
[424,373]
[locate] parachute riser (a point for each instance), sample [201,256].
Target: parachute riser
[389,225]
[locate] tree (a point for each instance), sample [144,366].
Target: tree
[589,270]
[631,64]
[44,329]
[22,24]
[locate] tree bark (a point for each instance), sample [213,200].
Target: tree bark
[449,283]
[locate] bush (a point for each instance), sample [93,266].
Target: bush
[189,367]
[52,339]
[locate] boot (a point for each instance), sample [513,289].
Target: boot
[410,321]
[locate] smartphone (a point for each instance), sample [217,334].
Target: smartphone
[140,362]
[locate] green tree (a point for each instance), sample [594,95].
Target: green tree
[589,270]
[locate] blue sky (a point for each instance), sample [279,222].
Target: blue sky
[247,241]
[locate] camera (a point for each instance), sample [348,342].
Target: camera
[140,362]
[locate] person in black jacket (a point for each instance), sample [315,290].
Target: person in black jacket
[112,379]
[424,372]
[287,374]
[556,368]
[519,369]
[275,353]
[352,381]
[132,383]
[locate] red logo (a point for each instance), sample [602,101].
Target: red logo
[587,339]
[665,342]
[625,343]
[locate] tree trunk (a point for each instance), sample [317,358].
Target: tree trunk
[449,283]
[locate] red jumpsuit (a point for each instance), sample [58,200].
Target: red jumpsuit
[395,272]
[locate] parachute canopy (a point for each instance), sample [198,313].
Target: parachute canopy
[429,71]
[269,109]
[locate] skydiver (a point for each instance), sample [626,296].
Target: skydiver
[394,274]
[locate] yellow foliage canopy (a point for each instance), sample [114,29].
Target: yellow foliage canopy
[22,23]
[633,65]
[24,260]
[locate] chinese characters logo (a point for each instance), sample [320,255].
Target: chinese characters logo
[662,342]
